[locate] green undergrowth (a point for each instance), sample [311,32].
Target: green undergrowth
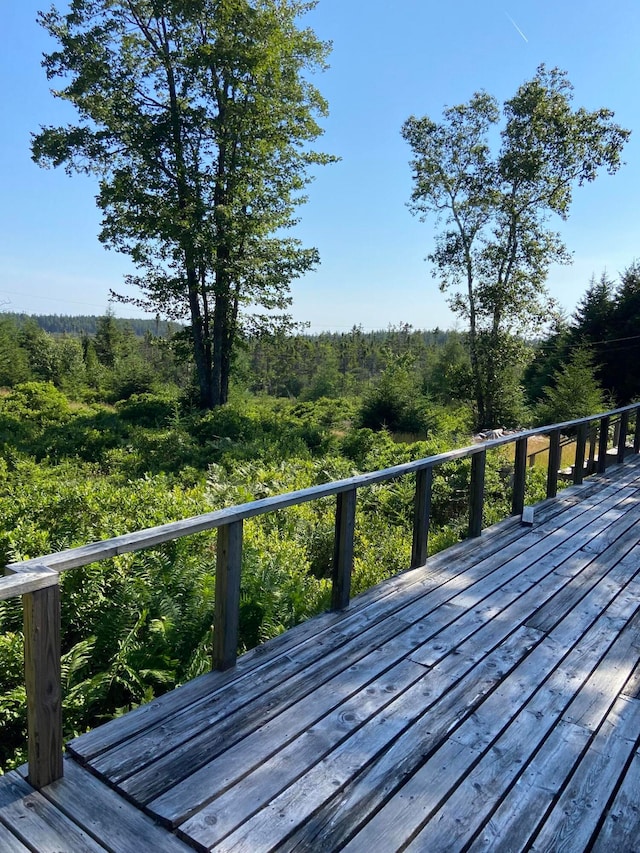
[139,624]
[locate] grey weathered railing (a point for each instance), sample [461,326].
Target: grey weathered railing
[37,580]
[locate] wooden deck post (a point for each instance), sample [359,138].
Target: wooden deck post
[421,515]
[581,447]
[591,465]
[519,477]
[343,549]
[603,444]
[554,464]
[636,436]
[42,682]
[476,493]
[227,605]
[622,436]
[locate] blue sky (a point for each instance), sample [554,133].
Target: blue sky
[389,60]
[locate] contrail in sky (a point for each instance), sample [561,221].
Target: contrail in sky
[517,27]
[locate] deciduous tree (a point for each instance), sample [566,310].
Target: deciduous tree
[198,117]
[495,248]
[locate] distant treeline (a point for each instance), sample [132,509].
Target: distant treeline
[85,324]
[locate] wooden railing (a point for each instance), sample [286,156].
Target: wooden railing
[37,580]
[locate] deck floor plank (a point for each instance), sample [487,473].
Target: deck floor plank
[9,843]
[37,823]
[487,701]
[305,640]
[162,758]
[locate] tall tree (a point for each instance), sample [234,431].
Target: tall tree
[198,116]
[496,248]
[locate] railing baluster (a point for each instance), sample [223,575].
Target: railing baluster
[593,435]
[603,444]
[421,515]
[581,446]
[554,464]
[227,605]
[43,685]
[343,549]
[476,498]
[519,477]
[622,435]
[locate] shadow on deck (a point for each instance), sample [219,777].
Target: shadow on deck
[486,701]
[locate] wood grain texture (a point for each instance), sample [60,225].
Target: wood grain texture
[476,493]
[37,823]
[345,525]
[41,610]
[519,477]
[483,701]
[21,583]
[554,463]
[102,813]
[227,604]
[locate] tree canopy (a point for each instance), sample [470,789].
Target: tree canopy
[198,116]
[495,247]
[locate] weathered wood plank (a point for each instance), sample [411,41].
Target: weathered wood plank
[157,766]
[603,444]
[554,464]
[458,820]
[227,604]
[581,445]
[421,517]
[577,813]
[236,805]
[310,635]
[551,612]
[414,802]
[39,824]
[8,841]
[181,800]
[102,813]
[519,477]
[622,437]
[620,828]
[512,824]
[24,582]
[41,610]
[476,493]
[343,550]
[400,739]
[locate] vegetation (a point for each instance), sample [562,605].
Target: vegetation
[88,453]
[198,118]
[496,247]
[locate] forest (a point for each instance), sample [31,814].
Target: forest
[102,434]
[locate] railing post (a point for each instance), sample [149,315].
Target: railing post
[636,436]
[476,490]
[622,435]
[519,477]
[227,605]
[554,464]
[603,444]
[581,447]
[591,465]
[421,514]
[42,683]
[343,549]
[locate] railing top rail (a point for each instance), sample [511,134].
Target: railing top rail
[27,581]
[152,536]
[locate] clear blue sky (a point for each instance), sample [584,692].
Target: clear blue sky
[389,60]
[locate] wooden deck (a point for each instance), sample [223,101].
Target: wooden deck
[488,701]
